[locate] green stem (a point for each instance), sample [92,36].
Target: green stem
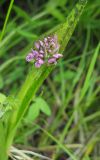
[7,17]
[26,94]
[3,153]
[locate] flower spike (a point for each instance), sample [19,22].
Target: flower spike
[46,52]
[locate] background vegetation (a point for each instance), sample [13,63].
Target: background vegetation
[71,92]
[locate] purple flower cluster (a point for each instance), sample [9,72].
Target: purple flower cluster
[46,51]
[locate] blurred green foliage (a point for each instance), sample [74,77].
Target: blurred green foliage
[73,88]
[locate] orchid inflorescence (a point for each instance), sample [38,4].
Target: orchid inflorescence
[46,52]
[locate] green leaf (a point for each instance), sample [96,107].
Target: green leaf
[2,98]
[3,153]
[68,75]
[43,106]
[33,113]
[34,110]
[86,158]
[1,82]
[21,13]
[56,3]
[56,13]
[26,34]
[90,71]
[7,104]
[66,29]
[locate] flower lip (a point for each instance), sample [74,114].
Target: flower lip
[52,60]
[45,40]
[37,45]
[41,43]
[35,53]
[37,65]
[29,57]
[40,61]
[40,56]
[41,52]
[57,55]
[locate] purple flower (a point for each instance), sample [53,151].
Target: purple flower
[29,57]
[41,43]
[49,50]
[37,65]
[35,53]
[46,51]
[37,45]
[45,40]
[40,61]
[57,55]
[41,52]
[52,60]
[40,56]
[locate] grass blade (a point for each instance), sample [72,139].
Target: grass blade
[7,17]
[90,71]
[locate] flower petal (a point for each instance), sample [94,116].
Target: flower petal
[37,65]
[52,60]
[29,57]
[37,45]
[57,55]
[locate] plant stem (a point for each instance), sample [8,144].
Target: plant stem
[3,153]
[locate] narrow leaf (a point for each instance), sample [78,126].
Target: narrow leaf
[90,71]
[21,13]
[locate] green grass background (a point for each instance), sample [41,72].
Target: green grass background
[72,90]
